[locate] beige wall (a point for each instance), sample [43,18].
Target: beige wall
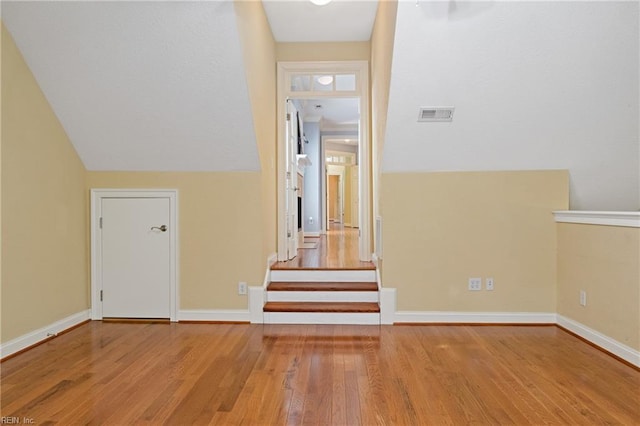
[382,39]
[442,228]
[604,261]
[219,231]
[44,233]
[259,55]
[344,51]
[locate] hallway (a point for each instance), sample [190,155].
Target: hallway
[338,249]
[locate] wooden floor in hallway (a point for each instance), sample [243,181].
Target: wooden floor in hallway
[337,249]
[239,374]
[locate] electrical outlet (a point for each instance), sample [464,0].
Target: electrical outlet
[583,298]
[475,284]
[489,284]
[242,288]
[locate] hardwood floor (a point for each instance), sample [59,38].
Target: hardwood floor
[229,374]
[338,249]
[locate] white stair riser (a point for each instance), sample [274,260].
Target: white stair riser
[324,276]
[322,296]
[321,318]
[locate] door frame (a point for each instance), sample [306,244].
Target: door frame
[361,69]
[340,171]
[97,195]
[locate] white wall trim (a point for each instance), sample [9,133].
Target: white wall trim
[37,336]
[231,315]
[607,343]
[324,275]
[387,305]
[256,304]
[96,242]
[475,317]
[361,69]
[273,257]
[627,219]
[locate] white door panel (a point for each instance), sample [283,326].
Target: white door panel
[136,258]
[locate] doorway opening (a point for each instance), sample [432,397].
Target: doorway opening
[323,132]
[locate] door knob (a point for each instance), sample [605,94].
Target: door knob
[162,228]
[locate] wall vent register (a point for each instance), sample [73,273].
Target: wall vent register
[435,114]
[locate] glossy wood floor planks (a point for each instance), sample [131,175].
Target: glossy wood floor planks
[337,249]
[228,374]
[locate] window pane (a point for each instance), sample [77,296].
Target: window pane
[346,82]
[322,83]
[300,83]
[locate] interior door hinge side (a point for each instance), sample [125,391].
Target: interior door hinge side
[101,295]
[100,222]
[288,116]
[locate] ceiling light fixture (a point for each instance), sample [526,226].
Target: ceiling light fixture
[325,80]
[320,2]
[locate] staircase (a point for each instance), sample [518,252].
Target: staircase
[322,296]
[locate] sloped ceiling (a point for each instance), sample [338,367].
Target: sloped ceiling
[142,85]
[535,85]
[303,21]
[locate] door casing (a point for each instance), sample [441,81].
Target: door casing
[361,69]
[96,242]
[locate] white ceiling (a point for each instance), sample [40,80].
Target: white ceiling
[303,21]
[334,112]
[142,85]
[535,85]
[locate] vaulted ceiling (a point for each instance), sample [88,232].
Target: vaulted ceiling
[535,85]
[142,85]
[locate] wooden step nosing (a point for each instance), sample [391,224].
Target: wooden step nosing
[328,307]
[324,296]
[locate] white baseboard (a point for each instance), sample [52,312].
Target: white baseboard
[607,343]
[223,315]
[475,317]
[36,336]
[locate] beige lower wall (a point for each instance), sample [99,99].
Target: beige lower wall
[442,228]
[44,238]
[220,231]
[325,51]
[604,261]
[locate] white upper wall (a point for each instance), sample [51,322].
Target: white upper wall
[142,85]
[542,85]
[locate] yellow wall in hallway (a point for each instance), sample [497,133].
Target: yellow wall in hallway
[259,55]
[337,51]
[219,231]
[44,232]
[604,261]
[442,228]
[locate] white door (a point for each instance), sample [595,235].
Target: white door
[292,181]
[136,259]
[355,199]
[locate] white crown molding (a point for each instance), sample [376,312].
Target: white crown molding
[611,218]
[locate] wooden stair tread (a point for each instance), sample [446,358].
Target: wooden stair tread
[346,307]
[322,286]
